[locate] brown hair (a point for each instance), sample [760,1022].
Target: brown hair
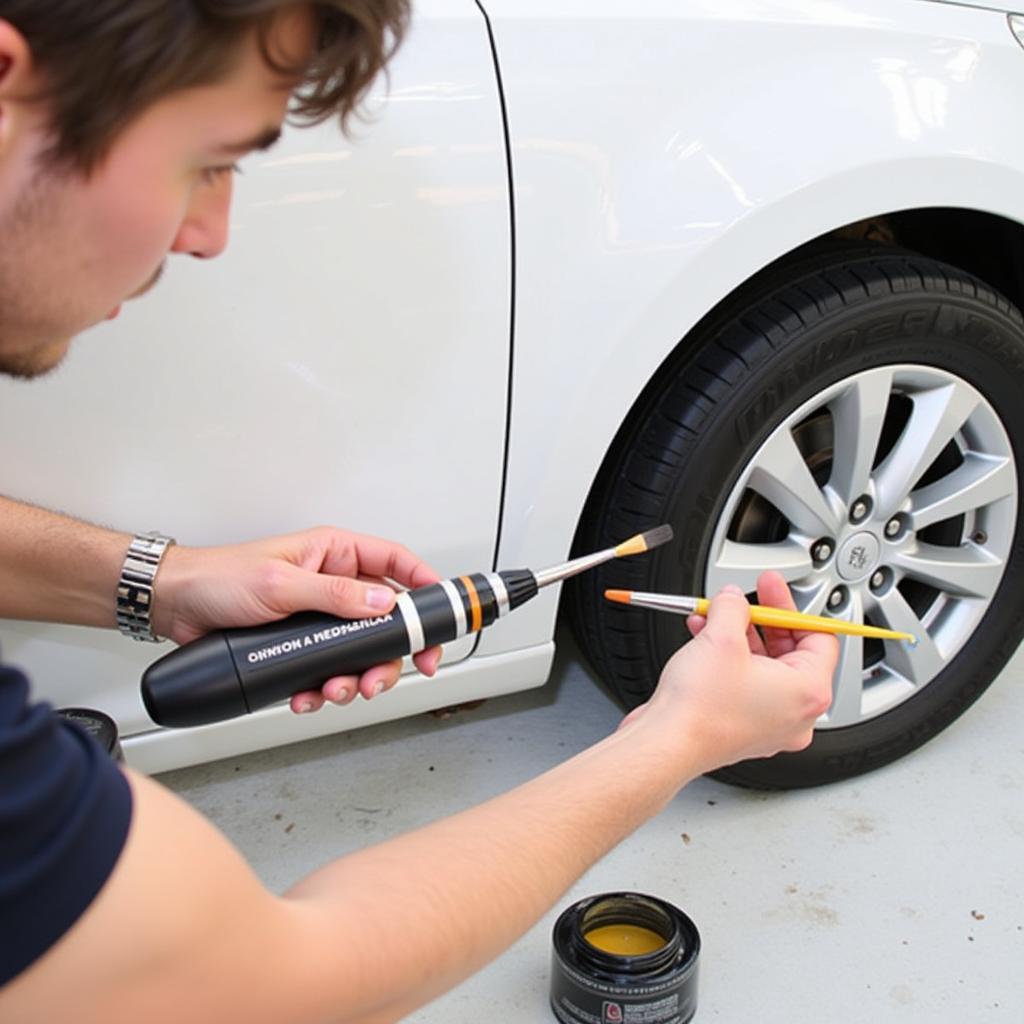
[105,61]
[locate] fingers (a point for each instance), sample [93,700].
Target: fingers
[773,592]
[336,595]
[348,554]
[428,660]
[342,690]
[817,653]
[306,701]
[728,620]
[754,640]
[696,623]
[375,681]
[729,612]
[801,742]
[345,573]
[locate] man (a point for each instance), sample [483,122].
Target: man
[119,124]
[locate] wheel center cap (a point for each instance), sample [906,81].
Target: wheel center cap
[858,556]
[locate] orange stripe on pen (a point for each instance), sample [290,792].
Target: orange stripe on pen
[474,604]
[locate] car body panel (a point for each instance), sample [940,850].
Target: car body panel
[671,183]
[985,5]
[163,749]
[345,362]
[348,360]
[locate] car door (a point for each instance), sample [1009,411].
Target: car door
[345,362]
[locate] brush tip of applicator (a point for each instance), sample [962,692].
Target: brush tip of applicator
[622,596]
[646,541]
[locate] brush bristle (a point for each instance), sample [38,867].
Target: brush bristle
[645,541]
[658,536]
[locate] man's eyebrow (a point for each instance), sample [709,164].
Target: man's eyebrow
[264,140]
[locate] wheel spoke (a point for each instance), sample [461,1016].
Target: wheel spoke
[742,564]
[848,681]
[918,478]
[966,571]
[811,597]
[781,475]
[917,664]
[979,481]
[936,417]
[857,417]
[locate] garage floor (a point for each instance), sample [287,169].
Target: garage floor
[898,896]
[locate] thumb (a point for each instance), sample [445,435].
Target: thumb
[728,617]
[339,595]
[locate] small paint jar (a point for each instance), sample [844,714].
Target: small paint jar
[624,958]
[100,726]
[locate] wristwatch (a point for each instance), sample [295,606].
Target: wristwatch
[135,587]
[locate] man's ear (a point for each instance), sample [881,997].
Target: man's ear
[15,59]
[17,80]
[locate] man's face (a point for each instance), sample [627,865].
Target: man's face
[73,248]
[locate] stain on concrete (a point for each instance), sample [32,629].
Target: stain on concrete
[901,995]
[811,907]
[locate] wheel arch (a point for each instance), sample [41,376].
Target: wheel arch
[987,245]
[903,203]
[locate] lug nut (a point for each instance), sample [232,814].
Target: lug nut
[859,510]
[835,599]
[893,527]
[822,551]
[877,579]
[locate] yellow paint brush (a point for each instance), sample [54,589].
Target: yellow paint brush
[760,615]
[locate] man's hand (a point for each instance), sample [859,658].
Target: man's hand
[322,569]
[735,696]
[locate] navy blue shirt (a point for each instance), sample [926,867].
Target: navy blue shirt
[65,808]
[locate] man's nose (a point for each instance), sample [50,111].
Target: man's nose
[204,231]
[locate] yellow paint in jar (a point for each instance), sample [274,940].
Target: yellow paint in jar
[625,939]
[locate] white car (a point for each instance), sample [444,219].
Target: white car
[748,267]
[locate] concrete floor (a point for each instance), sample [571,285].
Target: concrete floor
[897,896]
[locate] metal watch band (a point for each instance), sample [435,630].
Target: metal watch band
[135,588]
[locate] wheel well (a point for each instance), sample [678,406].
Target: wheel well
[983,244]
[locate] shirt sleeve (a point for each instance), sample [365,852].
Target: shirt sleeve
[65,809]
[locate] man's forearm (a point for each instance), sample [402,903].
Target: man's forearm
[428,909]
[57,569]
[370,937]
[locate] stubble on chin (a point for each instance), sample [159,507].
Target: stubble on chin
[34,321]
[37,363]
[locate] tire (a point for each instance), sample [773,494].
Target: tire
[867,373]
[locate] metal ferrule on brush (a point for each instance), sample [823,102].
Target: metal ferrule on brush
[561,572]
[637,545]
[664,602]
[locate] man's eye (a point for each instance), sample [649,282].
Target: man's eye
[211,175]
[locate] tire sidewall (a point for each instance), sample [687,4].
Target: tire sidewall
[960,334]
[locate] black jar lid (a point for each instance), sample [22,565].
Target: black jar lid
[99,725]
